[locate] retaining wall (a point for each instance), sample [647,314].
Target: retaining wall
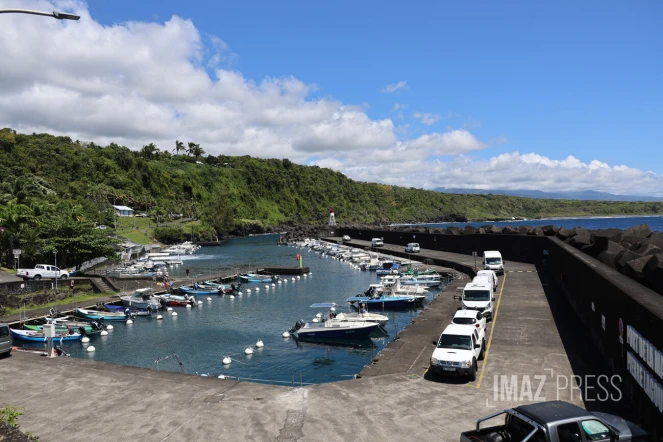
[624,317]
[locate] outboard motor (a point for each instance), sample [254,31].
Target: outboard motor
[96,325]
[299,324]
[163,302]
[81,330]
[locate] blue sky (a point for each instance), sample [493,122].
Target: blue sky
[538,95]
[560,78]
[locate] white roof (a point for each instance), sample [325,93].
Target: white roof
[466,314]
[492,254]
[123,208]
[457,329]
[486,272]
[480,284]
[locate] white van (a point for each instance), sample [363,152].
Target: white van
[491,275]
[412,247]
[492,260]
[377,242]
[478,296]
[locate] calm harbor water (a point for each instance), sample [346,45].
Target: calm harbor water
[655,222]
[202,336]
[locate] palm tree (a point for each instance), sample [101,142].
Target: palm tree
[197,151]
[179,146]
[148,151]
[191,148]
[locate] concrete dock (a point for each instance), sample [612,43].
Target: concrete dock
[395,398]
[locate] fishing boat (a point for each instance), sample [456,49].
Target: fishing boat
[327,328]
[72,321]
[104,316]
[389,268]
[60,328]
[141,299]
[225,288]
[374,296]
[254,277]
[133,311]
[203,291]
[429,280]
[361,315]
[38,336]
[177,300]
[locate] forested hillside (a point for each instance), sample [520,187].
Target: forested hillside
[44,177]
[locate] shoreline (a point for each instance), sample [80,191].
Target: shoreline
[552,218]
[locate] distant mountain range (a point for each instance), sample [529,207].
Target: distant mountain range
[580,195]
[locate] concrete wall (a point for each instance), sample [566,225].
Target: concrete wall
[27,287]
[600,295]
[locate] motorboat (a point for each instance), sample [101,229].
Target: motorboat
[326,328]
[104,316]
[38,336]
[141,299]
[132,310]
[198,290]
[177,300]
[389,268]
[254,277]
[73,322]
[223,288]
[429,280]
[375,296]
[361,315]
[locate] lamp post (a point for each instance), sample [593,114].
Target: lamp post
[57,275]
[54,14]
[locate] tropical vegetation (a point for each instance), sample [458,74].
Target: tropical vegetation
[55,191]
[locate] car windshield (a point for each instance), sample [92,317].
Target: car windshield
[455,341]
[465,321]
[476,295]
[493,261]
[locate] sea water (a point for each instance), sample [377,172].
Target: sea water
[203,335]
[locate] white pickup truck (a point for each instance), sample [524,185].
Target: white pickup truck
[42,271]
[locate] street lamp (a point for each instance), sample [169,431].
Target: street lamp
[57,15]
[57,275]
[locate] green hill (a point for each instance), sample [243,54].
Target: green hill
[44,177]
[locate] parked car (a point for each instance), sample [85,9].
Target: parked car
[492,260]
[492,276]
[5,340]
[42,271]
[471,318]
[478,296]
[556,421]
[458,350]
[377,242]
[346,238]
[412,247]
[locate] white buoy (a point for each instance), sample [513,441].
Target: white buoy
[85,339]
[174,314]
[200,302]
[240,293]
[226,360]
[232,296]
[279,282]
[285,281]
[188,306]
[109,327]
[273,285]
[293,279]
[129,322]
[159,317]
[260,344]
[103,333]
[257,289]
[267,286]
[209,299]
[286,334]
[310,273]
[90,348]
[248,290]
[248,351]
[169,309]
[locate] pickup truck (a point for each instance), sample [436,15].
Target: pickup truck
[457,351]
[556,421]
[42,271]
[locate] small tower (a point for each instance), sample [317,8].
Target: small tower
[332,219]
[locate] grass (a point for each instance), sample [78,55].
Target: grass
[141,230]
[67,301]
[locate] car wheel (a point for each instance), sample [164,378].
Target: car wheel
[473,373]
[483,350]
[63,277]
[37,277]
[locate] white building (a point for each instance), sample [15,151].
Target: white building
[123,211]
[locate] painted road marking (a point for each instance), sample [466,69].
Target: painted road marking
[492,330]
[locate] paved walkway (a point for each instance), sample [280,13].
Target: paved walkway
[394,400]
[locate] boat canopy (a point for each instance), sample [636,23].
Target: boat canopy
[324,305]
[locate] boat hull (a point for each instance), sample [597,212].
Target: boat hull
[92,314]
[383,302]
[36,336]
[322,331]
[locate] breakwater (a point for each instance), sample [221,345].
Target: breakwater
[623,315]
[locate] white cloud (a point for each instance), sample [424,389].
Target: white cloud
[393,87]
[427,118]
[398,106]
[134,83]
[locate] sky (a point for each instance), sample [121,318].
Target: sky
[551,96]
